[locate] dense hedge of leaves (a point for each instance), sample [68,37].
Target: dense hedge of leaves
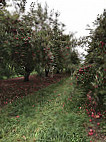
[92,75]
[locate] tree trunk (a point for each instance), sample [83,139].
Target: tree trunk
[46,73]
[26,77]
[57,72]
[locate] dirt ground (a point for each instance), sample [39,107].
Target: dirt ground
[11,89]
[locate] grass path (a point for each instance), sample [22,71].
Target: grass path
[52,114]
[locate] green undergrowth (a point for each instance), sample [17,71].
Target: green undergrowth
[15,75]
[49,115]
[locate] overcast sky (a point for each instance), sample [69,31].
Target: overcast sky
[75,14]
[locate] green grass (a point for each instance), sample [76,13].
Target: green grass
[43,118]
[15,76]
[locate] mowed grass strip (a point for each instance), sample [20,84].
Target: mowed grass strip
[49,115]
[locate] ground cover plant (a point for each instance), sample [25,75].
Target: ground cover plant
[51,114]
[56,113]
